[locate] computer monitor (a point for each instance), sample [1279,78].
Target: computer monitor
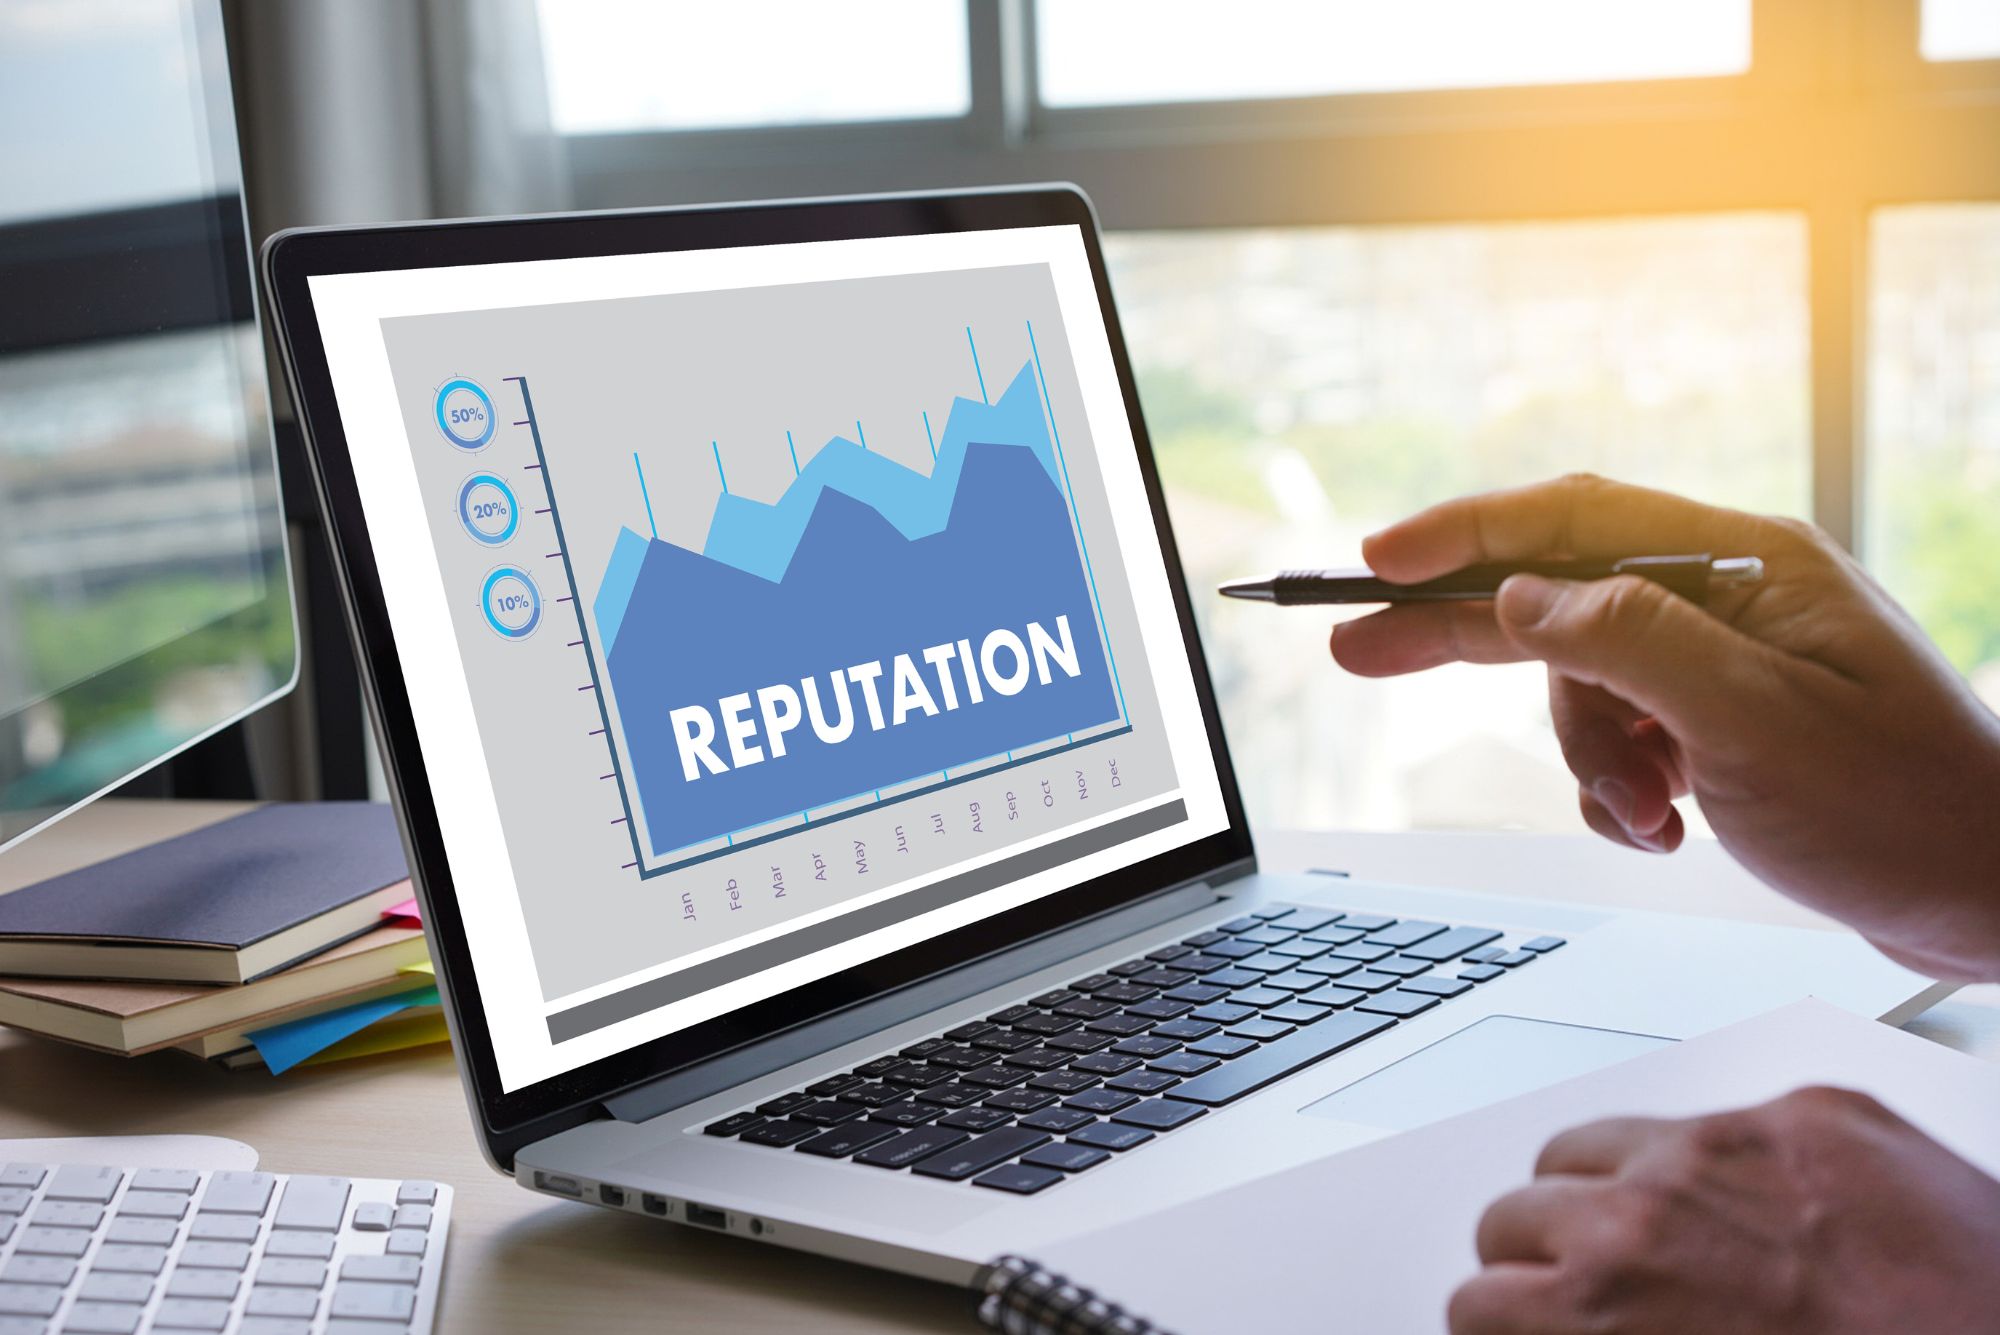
[145,593]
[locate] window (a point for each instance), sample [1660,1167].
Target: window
[1371,254]
[1195,50]
[1960,30]
[632,65]
[1933,530]
[1303,387]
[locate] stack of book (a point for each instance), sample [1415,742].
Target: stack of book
[279,937]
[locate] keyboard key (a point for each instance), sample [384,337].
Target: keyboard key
[1146,1045]
[1367,922]
[1227,1012]
[1100,1100]
[1129,967]
[1064,1082]
[913,1146]
[13,1200]
[1398,1003]
[1087,1008]
[1168,954]
[210,1227]
[1265,936]
[1222,1045]
[1542,945]
[989,1079]
[832,1085]
[318,1246]
[406,1242]
[1438,987]
[67,1214]
[299,1304]
[38,1270]
[843,1141]
[1481,973]
[1335,936]
[1263,1029]
[385,1269]
[1330,966]
[787,1104]
[29,1299]
[1120,1026]
[977,1119]
[1294,980]
[1450,945]
[1050,1000]
[1021,1180]
[1239,924]
[1125,994]
[1197,994]
[1407,933]
[827,1112]
[1484,955]
[1021,1100]
[191,1314]
[961,1096]
[1163,977]
[779,1135]
[1142,1082]
[1259,997]
[368,1217]
[1105,1063]
[373,1302]
[1365,951]
[1370,981]
[186,1283]
[1006,1040]
[1110,1136]
[874,1095]
[1067,1157]
[958,1057]
[110,1286]
[1201,940]
[1267,961]
[1305,920]
[1185,1030]
[417,1192]
[1039,1023]
[1091,982]
[1159,1114]
[1296,1012]
[84,1182]
[1058,1121]
[1514,959]
[875,1069]
[26,1175]
[133,1259]
[1232,979]
[1402,966]
[1079,1042]
[1234,950]
[1039,1059]
[182,1180]
[1301,949]
[238,1193]
[961,1161]
[53,1241]
[211,1256]
[282,1325]
[923,1048]
[1185,1063]
[1337,997]
[1254,1070]
[89,1318]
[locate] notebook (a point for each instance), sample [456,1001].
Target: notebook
[226,903]
[1388,1227]
[131,1017]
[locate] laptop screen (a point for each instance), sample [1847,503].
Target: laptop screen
[762,610]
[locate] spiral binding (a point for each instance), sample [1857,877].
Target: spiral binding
[1018,1297]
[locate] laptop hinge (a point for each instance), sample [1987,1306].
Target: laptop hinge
[781,1050]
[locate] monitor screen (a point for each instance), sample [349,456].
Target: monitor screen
[145,599]
[762,611]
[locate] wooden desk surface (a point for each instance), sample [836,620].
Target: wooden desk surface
[517,1261]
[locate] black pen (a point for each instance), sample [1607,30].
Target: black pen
[1693,577]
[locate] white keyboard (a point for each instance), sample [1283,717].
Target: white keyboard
[113,1251]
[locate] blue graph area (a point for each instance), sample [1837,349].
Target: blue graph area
[860,560]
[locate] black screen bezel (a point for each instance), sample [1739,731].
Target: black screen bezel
[509,1120]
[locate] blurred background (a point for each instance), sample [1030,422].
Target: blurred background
[1367,255]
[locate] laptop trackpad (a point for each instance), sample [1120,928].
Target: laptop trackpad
[1497,1058]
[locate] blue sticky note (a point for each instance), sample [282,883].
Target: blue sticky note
[284,1046]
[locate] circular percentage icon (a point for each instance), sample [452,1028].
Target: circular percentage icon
[487,508]
[465,414]
[511,602]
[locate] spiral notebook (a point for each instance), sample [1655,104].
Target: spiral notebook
[1375,1239]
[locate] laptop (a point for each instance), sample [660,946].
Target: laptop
[809,768]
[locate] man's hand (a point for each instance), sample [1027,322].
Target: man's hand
[1820,1211]
[1832,749]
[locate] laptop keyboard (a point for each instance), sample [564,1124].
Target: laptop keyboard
[1060,1082]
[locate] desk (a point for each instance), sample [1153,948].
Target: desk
[519,1262]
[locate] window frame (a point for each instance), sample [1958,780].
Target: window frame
[1839,114]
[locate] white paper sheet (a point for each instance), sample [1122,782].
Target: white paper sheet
[1374,1240]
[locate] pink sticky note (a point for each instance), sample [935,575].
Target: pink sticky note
[407,909]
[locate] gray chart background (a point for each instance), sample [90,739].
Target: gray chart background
[663,376]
